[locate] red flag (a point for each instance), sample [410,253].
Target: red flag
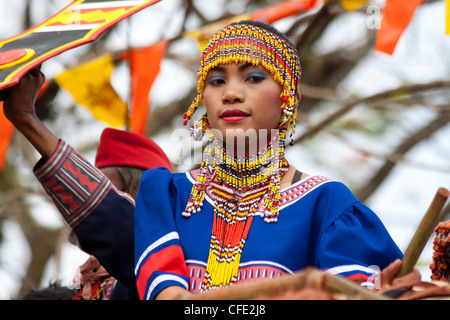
[268,14]
[145,64]
[397,15]
[283,10]
[6,132]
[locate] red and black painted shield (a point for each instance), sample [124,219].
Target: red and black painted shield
[81,22]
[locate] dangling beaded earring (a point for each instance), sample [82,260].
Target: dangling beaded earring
[197,196]
[199,128]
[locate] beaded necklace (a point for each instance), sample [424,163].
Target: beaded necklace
[242,187]
[254,178]
[231,174]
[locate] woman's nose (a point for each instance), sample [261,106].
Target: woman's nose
[233,93]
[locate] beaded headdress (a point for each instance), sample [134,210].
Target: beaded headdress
[256,177]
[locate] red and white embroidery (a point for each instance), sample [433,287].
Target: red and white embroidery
[289,195]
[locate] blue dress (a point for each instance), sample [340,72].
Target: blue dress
[321,224]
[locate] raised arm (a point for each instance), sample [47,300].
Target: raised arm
[19,108]
[100,215]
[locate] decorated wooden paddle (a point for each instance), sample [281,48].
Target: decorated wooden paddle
[81,22]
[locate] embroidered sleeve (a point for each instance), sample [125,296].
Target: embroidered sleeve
[74,185]
[159,259]
[101,216]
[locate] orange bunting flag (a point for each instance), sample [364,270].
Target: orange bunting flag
[396,16]
[283,10]
[90,86]
[269,14]
[145,65]
[6,133]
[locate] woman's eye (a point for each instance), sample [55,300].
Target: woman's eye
[216,80]
[255,77]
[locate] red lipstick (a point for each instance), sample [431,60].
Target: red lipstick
[234,115]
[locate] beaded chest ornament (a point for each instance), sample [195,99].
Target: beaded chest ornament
[252,177]
[440,267]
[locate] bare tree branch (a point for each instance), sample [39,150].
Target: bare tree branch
[409,89]
[439,122]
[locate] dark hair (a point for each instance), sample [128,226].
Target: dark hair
[131,178]
[53,292]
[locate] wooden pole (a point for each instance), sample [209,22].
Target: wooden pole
[264,287]
[423,232]
[307,278]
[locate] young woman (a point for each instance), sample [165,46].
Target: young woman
[245,214]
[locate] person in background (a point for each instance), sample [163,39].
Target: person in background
[123,157]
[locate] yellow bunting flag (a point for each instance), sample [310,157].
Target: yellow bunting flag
[447,17]
[90,86]
[352,5]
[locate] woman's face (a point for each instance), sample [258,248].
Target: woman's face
[242,96]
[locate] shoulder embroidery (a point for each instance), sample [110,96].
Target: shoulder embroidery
[298,190]
[288,196]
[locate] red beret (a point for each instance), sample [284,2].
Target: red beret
[124,148]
